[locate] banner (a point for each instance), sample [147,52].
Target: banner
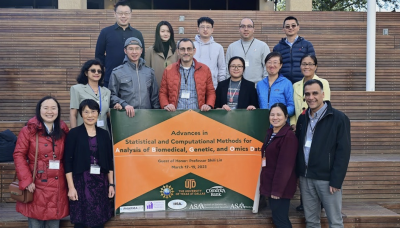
[187,160]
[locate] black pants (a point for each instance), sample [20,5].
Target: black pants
[280,212]
[80,225]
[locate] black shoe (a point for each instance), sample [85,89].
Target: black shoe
[300,208]
[262,203]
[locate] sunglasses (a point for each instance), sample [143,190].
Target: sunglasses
[288,26]
[94,71]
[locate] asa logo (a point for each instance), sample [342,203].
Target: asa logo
[177,204]
[199,206]
[237,206]
[216,191]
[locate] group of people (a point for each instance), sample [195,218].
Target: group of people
[75,167]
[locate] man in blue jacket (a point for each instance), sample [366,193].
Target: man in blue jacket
[323,156]
[292,48]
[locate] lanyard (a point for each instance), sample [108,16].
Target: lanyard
[319,118]
[99,96]
[245,52]
[187,75]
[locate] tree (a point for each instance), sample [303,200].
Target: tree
[345,5]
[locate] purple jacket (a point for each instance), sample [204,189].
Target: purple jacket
[278,177]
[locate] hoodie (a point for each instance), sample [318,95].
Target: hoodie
[212,55]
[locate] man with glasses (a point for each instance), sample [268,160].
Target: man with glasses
[187,84]
[110,44]
[292,48]
[133,84]
[208,51]
[252,50]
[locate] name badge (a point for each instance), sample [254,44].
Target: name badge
[185,94]
[94,169]
[308,144]
[246,63]
[264,162]
[100,123]
[54,164]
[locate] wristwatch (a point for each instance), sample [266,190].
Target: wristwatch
[111,185]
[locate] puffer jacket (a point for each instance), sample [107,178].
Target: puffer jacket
[50,200]
[171,83]
[134,85]
[291,57]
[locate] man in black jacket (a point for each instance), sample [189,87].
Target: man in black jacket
[292,49]
[323,156]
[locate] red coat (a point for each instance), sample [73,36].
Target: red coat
[278,177]
[171,83]
[50,200]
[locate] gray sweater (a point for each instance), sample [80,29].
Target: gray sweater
[256,54]
[134,85]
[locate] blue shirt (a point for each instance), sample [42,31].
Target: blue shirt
[187,84]
[110,47]
[291,44]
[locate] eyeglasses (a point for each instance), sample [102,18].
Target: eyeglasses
[123,13]
[288,26]
[136,49]
[235,67]
[307,64]
[246,26]
[93,112]
[205,27]
[94,71]
[273,63]
[182,49]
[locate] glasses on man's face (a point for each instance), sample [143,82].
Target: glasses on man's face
[236,67]
[307,64]
[94,71]
[270,63]
[205,27]
[246,26]
[124,13]
[183,50]
[135,49]
[91,112]
[288,26]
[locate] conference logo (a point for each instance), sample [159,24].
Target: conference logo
[190,183]
[167,191]
[155,205]
[196,206]
[177,204]
[137,208]
[216,191]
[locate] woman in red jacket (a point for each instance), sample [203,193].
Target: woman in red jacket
[278,178]
[50,201]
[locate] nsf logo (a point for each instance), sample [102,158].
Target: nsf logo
[167,191]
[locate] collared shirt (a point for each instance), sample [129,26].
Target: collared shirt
[187,84]
[291,44]
[110,47]
[47,129]
[311,128]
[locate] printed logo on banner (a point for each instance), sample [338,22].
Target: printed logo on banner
[167,191]
[177,204]
[196,206]
[190,183]
[216,191]
[127,209]
[239,206]
[155,205]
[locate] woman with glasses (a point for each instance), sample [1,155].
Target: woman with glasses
[236,92]
[88,162]
[90,86]
[275,88]
[50,202]
[163,52]
[308,66]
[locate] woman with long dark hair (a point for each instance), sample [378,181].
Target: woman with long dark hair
[90,86]
[89,169]
[50,201]
[163,52]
